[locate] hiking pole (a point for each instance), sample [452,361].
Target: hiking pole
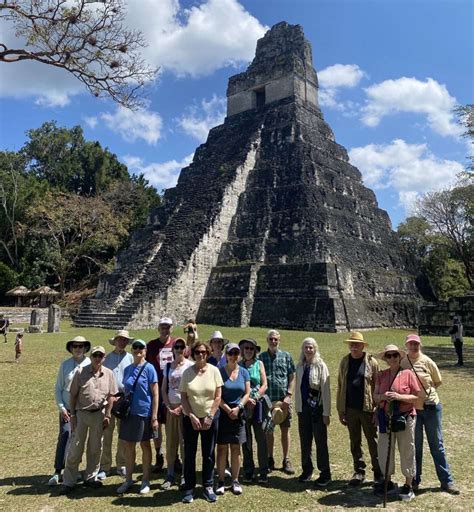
[387,462]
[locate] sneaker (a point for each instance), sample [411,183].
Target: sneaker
[124,487]
[65,490]
[288,467]
[182,484]
[102,475]
[322,481]
[236,487]
[263,478]
[122,471]
[248,478]
[93,483]
[160,463]
[271,464]
[54,480]
[209,495]
[357,479]
[220,489]
[188,497]
[145,487]
[415,486]
[450,488]
[406,493]
[305,477]
[166,485]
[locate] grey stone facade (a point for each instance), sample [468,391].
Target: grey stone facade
[269,225]
[437,319]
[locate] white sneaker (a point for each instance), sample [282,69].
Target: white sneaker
[125,487]
[220,489]
[101,475]
[236,487]
[54,480]
[122,471]
[145,487]
[406,493]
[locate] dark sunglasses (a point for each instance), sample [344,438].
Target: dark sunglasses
[389,355]
[137,346]
[273,339]
[249,348]
[233,353]
[98,355]
[78,346]
[179,347]
[200,352]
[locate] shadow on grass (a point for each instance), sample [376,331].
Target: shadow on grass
[445,357]
[27,485]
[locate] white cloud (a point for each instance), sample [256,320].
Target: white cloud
[410,169]
[195,41]
[412,95]
[160,175]
[91,121]
[335,77]
[133,125]
[199,120]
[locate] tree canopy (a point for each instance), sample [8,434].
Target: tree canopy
[87,38]
[66,206]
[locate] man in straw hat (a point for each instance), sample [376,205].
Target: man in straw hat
[117,361]
[77,347]
[355,404]
[159,352]
[91,398]
[280,371]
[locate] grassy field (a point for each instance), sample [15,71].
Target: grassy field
[28,431]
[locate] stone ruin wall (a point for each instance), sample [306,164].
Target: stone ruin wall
[182,297]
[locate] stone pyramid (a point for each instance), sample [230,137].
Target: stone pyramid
[270,225]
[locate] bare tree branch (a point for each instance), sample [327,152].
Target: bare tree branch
[87,39]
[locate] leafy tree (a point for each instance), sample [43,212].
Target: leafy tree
[8,278]
[450,214]
[84,37]
[63,158]
[76,228]
[17,190]
[465,115]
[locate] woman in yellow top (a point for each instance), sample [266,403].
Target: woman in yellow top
[200,397]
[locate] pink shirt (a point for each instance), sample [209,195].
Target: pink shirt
[405,383]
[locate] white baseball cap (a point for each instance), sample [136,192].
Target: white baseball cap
[165,321]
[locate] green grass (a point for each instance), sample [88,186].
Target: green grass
[28,431]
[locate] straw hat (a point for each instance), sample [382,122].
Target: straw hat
[121,334]
[356,337]
[391,348]
[279,414]
[78,339]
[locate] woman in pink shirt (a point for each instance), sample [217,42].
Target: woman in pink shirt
[396,391]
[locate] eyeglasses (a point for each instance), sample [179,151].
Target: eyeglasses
[233,353]
[165,326]
[137,346]
[179,347]
[389,355]
[200,352]
[99,355]
[78,345]
[273,339]
[249,348]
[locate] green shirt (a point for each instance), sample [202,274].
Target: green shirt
[278,368]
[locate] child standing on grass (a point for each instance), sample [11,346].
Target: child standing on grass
[18,346]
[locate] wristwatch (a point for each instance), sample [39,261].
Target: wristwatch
[241,406]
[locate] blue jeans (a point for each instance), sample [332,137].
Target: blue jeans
[61,445]
[430,418]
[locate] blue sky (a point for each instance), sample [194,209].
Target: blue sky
[390,73]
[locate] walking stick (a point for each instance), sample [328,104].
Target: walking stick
[387,462]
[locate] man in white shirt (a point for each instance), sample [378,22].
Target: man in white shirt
[117,361]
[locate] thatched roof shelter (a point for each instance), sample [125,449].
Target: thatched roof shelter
[18,291]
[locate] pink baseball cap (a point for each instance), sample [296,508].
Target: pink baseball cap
[413,338]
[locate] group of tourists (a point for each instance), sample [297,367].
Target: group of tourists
[233,396]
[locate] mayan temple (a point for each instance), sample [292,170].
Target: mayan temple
[270,225]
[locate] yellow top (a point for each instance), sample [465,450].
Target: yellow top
[429,375]
[200,388]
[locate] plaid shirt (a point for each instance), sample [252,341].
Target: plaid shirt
[278,369]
